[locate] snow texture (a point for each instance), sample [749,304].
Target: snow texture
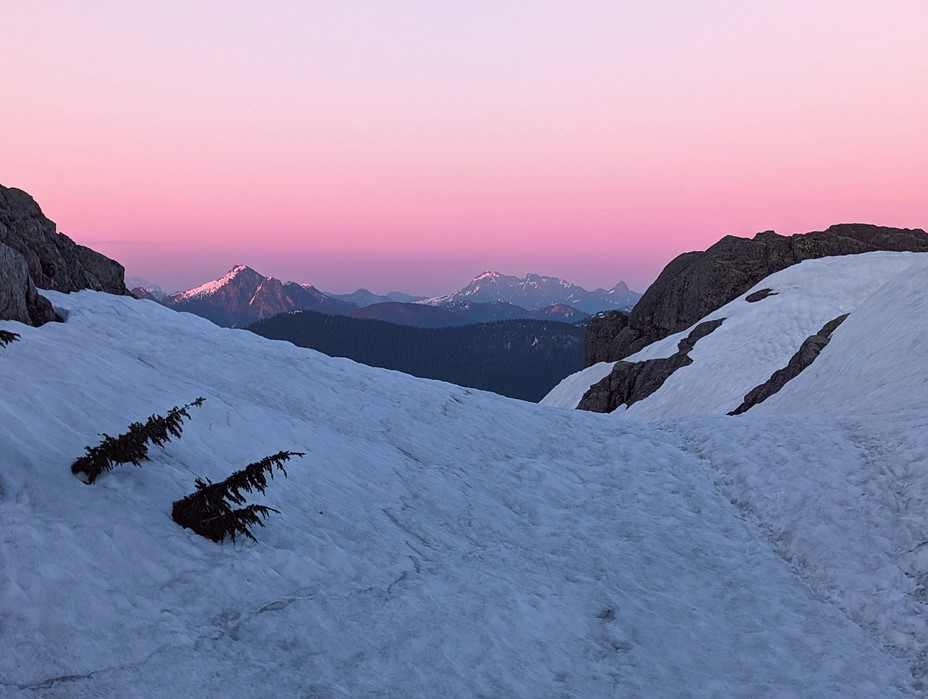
[834,467]
[755,340]
[440,541]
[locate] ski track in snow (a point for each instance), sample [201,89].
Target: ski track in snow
[435,540]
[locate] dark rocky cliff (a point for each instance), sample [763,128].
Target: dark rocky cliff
[34,255]
[697,283]
[602,333]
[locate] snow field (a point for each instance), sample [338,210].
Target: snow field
[834,467]
[435,541]
[755,339]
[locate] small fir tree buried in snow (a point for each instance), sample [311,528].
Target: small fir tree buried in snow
[209,511]
[132,447]
[6,337]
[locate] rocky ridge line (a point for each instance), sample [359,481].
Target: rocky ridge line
[696,283]
[33,255]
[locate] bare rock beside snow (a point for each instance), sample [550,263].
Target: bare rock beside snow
[18,298]
[630,382]
[696,283]
[807,353]
[51,260]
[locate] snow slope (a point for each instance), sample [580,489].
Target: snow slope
[834,467]
[569,392]
[755,339]
[435,541]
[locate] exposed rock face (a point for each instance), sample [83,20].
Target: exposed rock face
[602,331]
[51,261]
[697,283]
[18,298]
[807,353]
[100,272]
[631,382]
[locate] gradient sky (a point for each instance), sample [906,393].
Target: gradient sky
[413,144]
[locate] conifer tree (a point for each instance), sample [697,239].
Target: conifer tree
[6,337]
[132,447]
[209,510]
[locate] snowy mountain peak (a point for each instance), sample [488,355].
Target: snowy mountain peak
[619,289]
[213,286]
[537,291]
[242,296]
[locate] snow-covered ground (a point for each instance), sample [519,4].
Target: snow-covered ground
[755,339]
[834,467]
[570,390]
[440,541]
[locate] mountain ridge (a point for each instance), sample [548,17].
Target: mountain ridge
[364,297]
[242,296]
[536,291]
[694,284]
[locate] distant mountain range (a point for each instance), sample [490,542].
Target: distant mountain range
[363,297]
[243,296]
[535,291]
[142,288]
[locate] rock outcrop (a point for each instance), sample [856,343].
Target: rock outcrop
[31,246]
[19,299]
[807,353]
[697,283]
[602,332]
[630,382]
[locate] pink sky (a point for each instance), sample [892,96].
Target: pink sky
[411,145]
